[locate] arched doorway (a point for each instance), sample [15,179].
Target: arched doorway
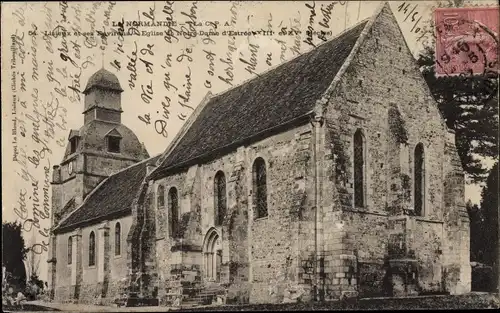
[212,256]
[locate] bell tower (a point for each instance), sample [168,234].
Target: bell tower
[103,98]
[101,147]
[98,149]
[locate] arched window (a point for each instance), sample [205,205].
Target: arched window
[160,202]
[359,169]
[419,183]
[70,250]
[92,249]
[220,202]
[260,187]
[118,236]
[173,210]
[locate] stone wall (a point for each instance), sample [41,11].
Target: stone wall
[259,256]
[314,236]
[456,230]
[105,166]
[275,257]
[63,269]
[369,239]
[100,283]
[362,100]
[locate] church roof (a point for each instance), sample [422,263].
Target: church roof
[112,198]
[277,97]
[104,79]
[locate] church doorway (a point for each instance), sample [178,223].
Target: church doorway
[212,256]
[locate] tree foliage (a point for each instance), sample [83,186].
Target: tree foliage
[13,254]
[477,242]
[489,208]
[484,228]
[469,105]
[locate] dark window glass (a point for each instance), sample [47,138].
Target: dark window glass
[260,187]
[419,184]
[359,170]
[70,250]
[220,198]
[92,249]
[114,144]
[118,236]
[173,207]
[74,144]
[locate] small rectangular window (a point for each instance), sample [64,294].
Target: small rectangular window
[74,144]
[113,144]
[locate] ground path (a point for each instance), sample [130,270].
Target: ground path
[476,300]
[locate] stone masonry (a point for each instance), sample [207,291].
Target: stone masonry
[333,228]
[315,238]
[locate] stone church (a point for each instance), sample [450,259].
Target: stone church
[330,175]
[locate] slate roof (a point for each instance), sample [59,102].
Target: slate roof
[278,96]
[104,79]
[113,197]
[68,207]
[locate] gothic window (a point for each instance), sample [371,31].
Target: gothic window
[118,236]
[260,187]
[173,208]
[220,198]
[92,249]
[114,144]
[419,184]
[70,250]
[161,196]
[359,169]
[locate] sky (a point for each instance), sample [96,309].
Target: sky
[45,67]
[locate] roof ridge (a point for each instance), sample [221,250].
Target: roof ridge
[359,41]
[232,143]
[272,68]
[341,45]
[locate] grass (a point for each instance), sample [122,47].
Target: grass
[471,301]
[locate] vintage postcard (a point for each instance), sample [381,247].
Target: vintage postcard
[249,155]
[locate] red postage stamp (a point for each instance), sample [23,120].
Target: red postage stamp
[466,41]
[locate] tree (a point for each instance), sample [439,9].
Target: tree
[13,254]
[489,208]
[469,105]
[477,241]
